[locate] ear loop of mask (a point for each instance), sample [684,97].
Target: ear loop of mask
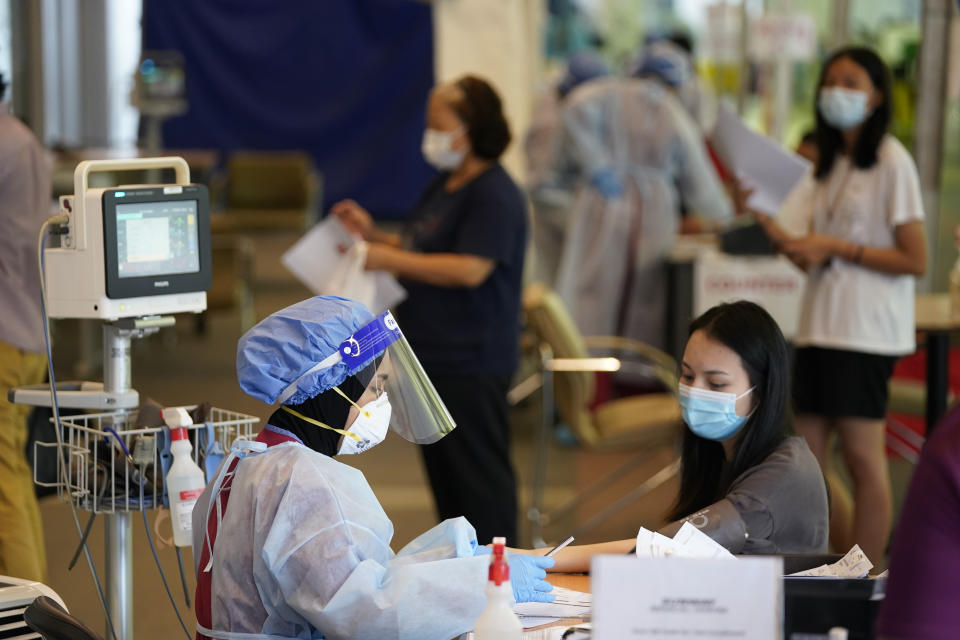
[342,432]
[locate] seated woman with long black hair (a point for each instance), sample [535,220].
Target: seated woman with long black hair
[745,481]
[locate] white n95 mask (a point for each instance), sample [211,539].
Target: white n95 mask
[437,148]
[369,429]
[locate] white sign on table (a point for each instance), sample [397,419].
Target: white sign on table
[669,598]
[773,282]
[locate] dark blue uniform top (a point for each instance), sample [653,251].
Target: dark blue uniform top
[468,330]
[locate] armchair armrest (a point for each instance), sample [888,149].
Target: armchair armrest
[582,364]
[663,367]
[534,382]
[634,347]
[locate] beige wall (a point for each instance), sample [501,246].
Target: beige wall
[499,40]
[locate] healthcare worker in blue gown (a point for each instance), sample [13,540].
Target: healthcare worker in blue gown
[289,542]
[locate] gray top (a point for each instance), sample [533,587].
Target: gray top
[778,506]
[25,197]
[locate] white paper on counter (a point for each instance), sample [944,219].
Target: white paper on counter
[854,564]
[568,604]
[697,544]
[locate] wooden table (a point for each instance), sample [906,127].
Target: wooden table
[935,318]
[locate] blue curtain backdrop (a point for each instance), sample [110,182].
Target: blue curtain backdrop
[345,80]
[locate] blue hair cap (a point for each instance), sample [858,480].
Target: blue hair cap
[582,66]
[285,345]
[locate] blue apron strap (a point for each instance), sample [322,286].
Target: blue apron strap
[166,459]
[213,452]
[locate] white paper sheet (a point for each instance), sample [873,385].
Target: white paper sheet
[760,162]
[568,604]
[651,544]
[697,544]
[314,257]
[853,565]
[529,622]
[318,260]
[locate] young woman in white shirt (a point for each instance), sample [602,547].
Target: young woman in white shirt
[855,225]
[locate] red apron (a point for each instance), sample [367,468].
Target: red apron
[270,436]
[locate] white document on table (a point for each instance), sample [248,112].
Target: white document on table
[651,544]
[854,564]
[669,598]
[529,622]
[697,544]
[762,163]
[329,260]
[568,604]
[688,542]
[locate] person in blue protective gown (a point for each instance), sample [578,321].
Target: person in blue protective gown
[551,187]
[638,159]
[289,542]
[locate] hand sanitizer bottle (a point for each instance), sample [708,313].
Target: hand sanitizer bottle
[185,482]
[498,621]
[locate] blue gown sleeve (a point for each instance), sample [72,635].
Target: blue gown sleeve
[329,559]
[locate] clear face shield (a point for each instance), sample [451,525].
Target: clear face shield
[381,359]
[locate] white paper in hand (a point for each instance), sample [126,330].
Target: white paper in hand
[330,261]
[761,163]
[651,544]
[315,256]
[696,544]
[350,280]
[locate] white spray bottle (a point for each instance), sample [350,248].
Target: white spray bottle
[498,621]
[185,480]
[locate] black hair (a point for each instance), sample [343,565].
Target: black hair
[3,86]
[810,137]
[482,112]
[748,330]
[830,139]
[682,39]
[329,408]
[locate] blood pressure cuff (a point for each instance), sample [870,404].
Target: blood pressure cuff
[722,522]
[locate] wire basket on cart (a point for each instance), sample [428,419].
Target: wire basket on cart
[101,475]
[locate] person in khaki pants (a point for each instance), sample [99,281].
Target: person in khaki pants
[21,533]
[25,197]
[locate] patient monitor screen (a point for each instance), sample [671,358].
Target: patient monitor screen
[157,238]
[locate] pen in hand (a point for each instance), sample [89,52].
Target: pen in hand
[559,547]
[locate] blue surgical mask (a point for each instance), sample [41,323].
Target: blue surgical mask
[843,108]
[711,414]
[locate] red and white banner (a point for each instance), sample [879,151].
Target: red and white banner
[773,282]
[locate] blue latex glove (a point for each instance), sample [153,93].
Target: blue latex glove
[607,182]
[527,575]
